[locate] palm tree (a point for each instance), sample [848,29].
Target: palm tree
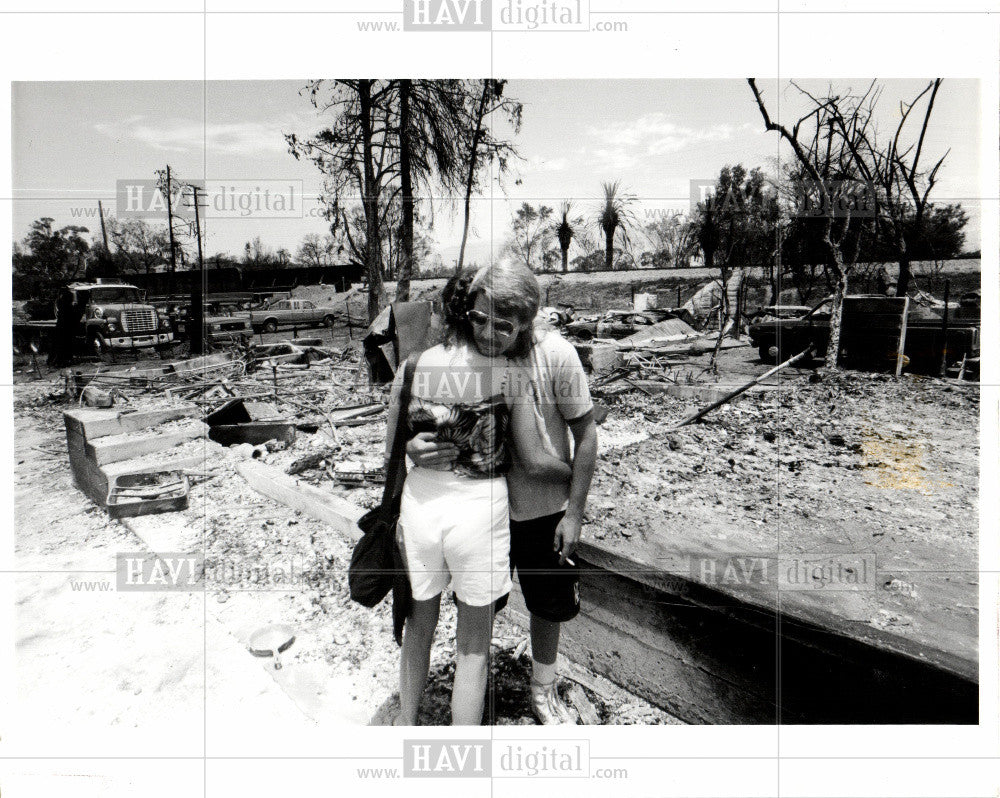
[614,213]
[565,232]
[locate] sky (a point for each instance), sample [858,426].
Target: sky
[73,140]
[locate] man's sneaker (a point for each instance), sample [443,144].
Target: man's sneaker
[548,707]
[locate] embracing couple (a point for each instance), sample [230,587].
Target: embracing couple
[503,445]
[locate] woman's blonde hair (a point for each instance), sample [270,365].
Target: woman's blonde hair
[511,290]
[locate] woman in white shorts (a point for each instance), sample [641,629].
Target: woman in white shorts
[454,524]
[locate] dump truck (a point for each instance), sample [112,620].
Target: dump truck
[112,317]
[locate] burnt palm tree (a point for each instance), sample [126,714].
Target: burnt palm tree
[565,233]
[615,213]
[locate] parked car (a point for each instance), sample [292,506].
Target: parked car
[781,312]
[778,339]
[291,313]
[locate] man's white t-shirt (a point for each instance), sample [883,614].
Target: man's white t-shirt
[549,389]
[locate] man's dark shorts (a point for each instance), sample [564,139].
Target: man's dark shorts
[551,591]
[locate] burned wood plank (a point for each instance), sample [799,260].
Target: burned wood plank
[588,714]
[668,561]
[301,496]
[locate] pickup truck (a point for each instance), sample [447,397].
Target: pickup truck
[219,328]
[778,339]
[291,313]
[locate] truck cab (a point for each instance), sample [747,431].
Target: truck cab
[115,317]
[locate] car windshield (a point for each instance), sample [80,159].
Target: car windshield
[116,294]
[824,304]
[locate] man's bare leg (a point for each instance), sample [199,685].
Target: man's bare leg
[544,640]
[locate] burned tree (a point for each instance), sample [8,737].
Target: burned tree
[531,236]
[565,230]
[616,217]
[737,223]
[481,146]
[391,143]
[354,155]
[828,191]
[902,189]
[430,119]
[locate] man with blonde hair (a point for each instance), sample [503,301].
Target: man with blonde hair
[550,476]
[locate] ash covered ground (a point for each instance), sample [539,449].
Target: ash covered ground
[847,461]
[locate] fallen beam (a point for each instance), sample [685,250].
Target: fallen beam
[312,501]
[742,389]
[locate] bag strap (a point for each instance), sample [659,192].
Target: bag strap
[396,469]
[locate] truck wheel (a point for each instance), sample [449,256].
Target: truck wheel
[102,349]
[328,321]
[270,326]
[765,353]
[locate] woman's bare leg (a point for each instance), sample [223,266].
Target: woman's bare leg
[472,650]
[415,658]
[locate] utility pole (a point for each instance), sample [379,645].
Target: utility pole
[170,226]
[196,334]
[104,256]
[104,230]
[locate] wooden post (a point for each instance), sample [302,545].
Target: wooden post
[738,316]
[197,336]
[900,356]
[944,330]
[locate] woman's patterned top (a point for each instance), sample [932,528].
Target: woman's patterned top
[478,430]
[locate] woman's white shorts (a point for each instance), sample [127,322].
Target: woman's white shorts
[456,529]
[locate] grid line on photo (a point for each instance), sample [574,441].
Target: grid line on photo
[623,12]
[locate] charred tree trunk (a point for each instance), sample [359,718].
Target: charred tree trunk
[836,268]
[470,177]
[406,180]
[903,281]
[609,248]
[709,254]
[372,250]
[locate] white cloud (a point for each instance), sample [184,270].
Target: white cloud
[628,145]
[187,135]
